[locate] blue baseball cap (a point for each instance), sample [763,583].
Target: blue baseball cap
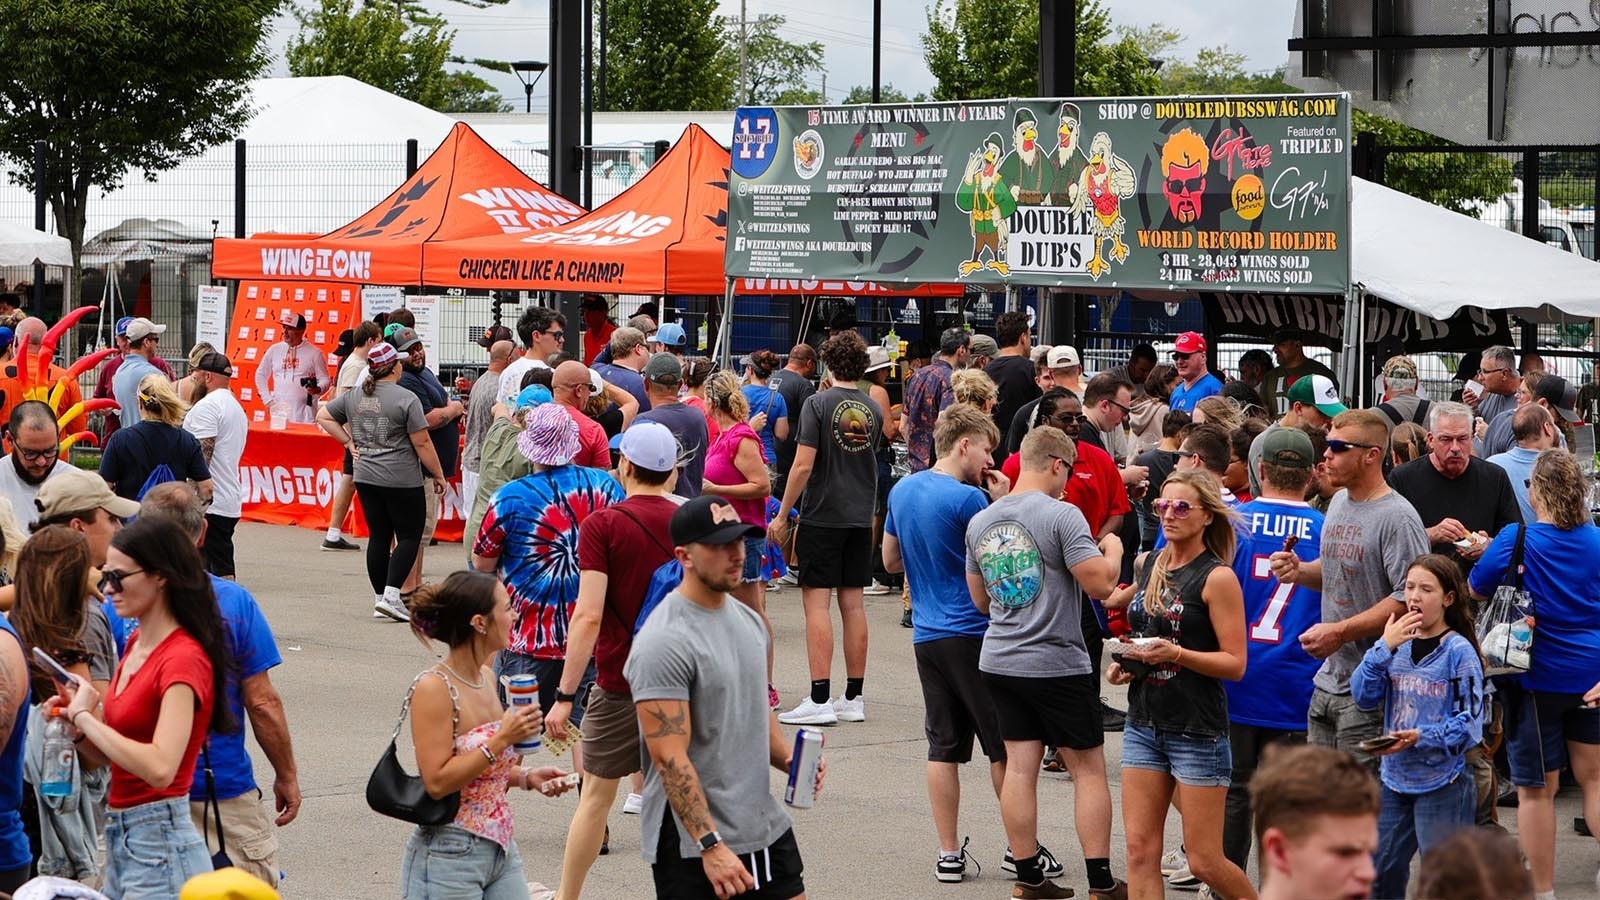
[533,395]
[671,335]
[6,337]
[122,325]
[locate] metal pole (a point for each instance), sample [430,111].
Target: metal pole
[238,188]
[41,161]
[743,94]
[1530,195]
[411,157]
[602,91]
[566,126]
[877,52]
[1058,48]
[588,104]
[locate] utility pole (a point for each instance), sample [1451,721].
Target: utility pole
[744,35]
[877,52]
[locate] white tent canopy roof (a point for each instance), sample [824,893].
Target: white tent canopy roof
[21,246]
[1428,259]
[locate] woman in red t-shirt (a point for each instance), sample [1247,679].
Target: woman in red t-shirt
[163,700]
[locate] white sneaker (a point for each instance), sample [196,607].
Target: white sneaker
[789,578]
[810,712]
[1184,880]
[1173,861]
[390,609]
[875,589]
[634,805]
[850,710]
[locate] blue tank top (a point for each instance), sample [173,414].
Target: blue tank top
[14,850]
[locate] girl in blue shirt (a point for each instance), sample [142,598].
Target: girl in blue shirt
[1427,673]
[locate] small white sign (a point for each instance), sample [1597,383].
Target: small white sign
[211,316]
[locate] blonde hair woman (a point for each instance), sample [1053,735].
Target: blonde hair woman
[974,387]
[1190,608]
[190,390]
[1218,410]
[156,448]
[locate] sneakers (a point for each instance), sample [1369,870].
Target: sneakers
[875,589]
[810,712]
[1172,861]
[951,869]
[850,710]
[1117,891]
[905,619]
[1205,893]
[390,609]
[772,696]
[789,578]
[1184,880]
[1047,864]
[1044,890]
[1111,719]
[340,544]
[634,805]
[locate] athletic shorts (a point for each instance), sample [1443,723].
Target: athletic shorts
[218,546]
[610,734]
[777,869]
[834,557]
[349,463]
[956,702]
[1063,711]
[1538,726]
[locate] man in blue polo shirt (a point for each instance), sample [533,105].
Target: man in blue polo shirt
[1195,382]
[224,770]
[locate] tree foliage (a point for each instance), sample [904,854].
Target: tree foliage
[381,44]
[666,55]
[887,93]
[467,93]
[776,70]
[990,48]
[121,85]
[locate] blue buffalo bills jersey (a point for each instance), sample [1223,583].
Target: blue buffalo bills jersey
[1275,691]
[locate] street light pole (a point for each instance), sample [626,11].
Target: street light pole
[528,71]
[877,51]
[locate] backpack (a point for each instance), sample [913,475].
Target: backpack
[1419,417]
[663,581]
[161,474]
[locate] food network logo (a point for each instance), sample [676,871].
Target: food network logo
[319,262]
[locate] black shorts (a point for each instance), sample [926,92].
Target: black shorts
[834,557]
[349,464]
[777,869]
[1062,711]
[956,702]
[218,546]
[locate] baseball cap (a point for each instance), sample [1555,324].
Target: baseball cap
[1560,394]
[983,345]
[291,319]
[122,325]
[1400,367]
[6,337]
[139,329]
[1318,391]
[347,343]
[877,358]
[671,335]
[215,362]
[1062,357]
[492,334]
[1189,342]
[1288,447]
[650,445]
[404,338]
[75,490]
[1288,334]
[381,354]
[709,519]
[533,395]
[663,368]
[550,437]
[595,301]
[597,385]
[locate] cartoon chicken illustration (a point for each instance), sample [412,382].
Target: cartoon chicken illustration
[1025,168]
[1106,181]
[984,195]
[1063,160]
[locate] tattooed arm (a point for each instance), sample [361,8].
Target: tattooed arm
[208,446]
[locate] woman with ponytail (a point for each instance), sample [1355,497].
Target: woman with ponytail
[465,742]
[134,453]
[383,428]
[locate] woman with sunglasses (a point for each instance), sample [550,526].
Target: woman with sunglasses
[383,427]
[161,704]
[1188,611]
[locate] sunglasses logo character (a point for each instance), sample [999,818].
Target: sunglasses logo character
[1184,160]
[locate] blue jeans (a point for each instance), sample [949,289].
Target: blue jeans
[450,863]
[1408,823]
[152,849]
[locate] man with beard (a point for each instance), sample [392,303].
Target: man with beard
[297,370]
[441,413]
[1025,169]
[1064,175]
[219,423]
[1458,495]
[33,460]
[1289,347]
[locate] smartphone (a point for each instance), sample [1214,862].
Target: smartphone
[48,662]
[1381,742]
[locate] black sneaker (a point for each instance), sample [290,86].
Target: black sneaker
[1047,863]
[1111,719]
[340,544]
[905,619]
[951,869]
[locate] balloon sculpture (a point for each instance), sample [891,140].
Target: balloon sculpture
[37,386]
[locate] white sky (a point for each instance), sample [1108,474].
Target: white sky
[520,30]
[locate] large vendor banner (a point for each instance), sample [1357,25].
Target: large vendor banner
[1196,193]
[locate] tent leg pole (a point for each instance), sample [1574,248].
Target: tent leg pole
[723,352]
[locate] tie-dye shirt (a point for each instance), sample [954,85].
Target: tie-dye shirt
[532,527]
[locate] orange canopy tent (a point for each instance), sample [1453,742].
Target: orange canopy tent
[465,189]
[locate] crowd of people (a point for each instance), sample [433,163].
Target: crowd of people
[1287,587]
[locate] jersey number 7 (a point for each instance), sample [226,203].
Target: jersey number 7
[1268,629]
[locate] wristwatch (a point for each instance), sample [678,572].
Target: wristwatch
[708,840]
[563,697]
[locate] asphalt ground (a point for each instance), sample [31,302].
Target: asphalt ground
[869,835]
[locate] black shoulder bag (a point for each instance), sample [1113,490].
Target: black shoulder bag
[394,792]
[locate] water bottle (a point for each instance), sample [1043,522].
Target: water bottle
[60,757]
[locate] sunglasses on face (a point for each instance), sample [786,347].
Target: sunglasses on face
[1069,418]
[1179,185]
[1122,406]
[1180,509]
[1066,462]
[1337,446]
[1180,357]
[111,580]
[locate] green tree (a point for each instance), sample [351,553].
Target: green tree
[666,55]
[774,66]
[467,93]
[382,44]
[990,48]
[887,93]
[122,85]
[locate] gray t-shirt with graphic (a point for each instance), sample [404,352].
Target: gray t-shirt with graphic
[716,659]
[1025,545]
[1366,549]
[380,426]
[845,426]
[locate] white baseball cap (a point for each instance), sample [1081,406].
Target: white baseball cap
[1062,357]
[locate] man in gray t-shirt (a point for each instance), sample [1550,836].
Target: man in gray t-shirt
[1369,540]
[698,673]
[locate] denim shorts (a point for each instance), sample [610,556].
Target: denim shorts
[152,849]
[548,671]
[450,863]
[1195,760]
[754,549]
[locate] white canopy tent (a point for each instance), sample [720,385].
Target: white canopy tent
[21,246]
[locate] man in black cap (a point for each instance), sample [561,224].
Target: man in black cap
[296,370]
[663,375]
[1546,389]
[219,423]
[697,668]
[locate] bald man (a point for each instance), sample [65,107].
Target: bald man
[480,413]
[572,385]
